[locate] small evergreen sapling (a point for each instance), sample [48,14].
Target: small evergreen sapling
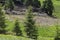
[2,21]
[30,26]
[17,29]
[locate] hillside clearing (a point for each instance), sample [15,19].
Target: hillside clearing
[39,19]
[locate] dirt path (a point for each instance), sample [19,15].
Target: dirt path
[47,21]
[42,20]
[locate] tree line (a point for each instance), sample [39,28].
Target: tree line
[46,7]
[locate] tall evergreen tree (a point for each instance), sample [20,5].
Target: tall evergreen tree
[36,3]
[31,29]
[44,7]
[6,4]
[2,21]
[18,2]
[9,4]
[48,5]
[22,1]
[17,29]
[29,2]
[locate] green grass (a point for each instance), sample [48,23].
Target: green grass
[10,37]
[45,32]
[10,26]
[45,38]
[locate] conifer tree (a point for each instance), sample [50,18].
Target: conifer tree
[17,29]
[30,26]
[9,4]
[2,21]
[22,1]
[36,3]
[6,4]
[48,5]
[29,2]
[44,7]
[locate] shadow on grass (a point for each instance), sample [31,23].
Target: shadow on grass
[53,16]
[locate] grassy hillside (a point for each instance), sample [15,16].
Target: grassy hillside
[45,38]
[45,32]
[10,37]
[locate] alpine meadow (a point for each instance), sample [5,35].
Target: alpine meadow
[29,19]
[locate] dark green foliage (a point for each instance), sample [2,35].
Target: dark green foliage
[22,1]
[48,7]
[30,26]
[44,6]
[2,2]
[6,4]
[17,29]
[29,2]
[57,38]
[36,3]
[9,4]
[18,2]
[2,22]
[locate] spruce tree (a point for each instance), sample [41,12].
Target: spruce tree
[2,21]
[29,2]
[31,29]
[44,7]
[36,3]
[9,4]
[6,4]
[22,1]
[48,5]
[17,29]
